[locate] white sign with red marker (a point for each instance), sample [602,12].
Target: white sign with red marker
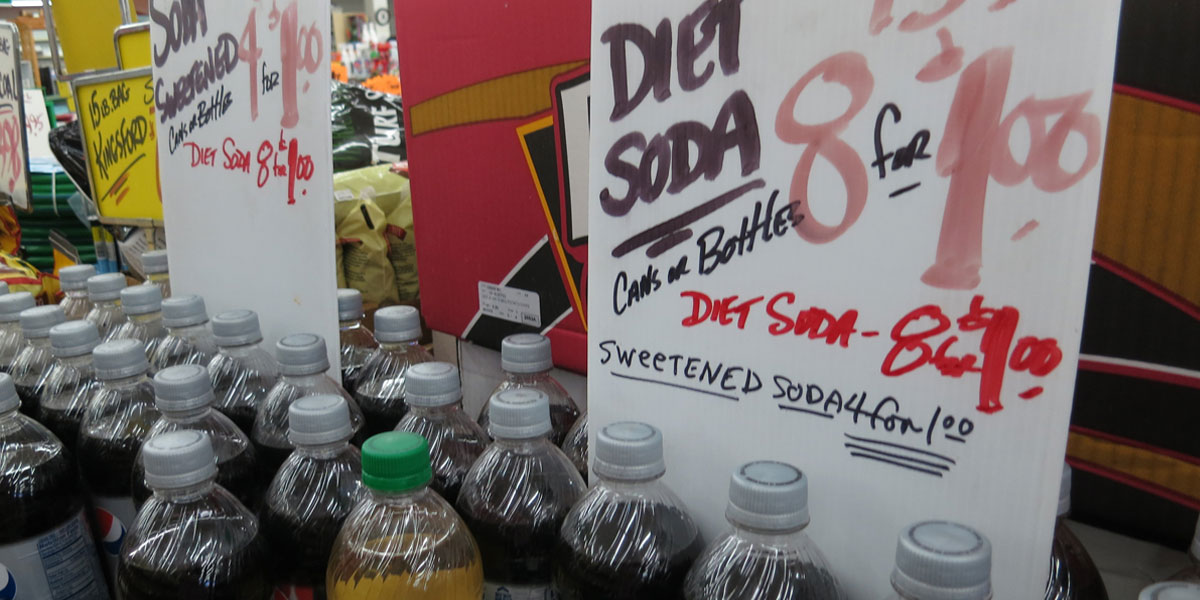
[854,237]
[241,95]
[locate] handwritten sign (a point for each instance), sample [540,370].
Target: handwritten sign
[855,237]
[119,137]
[37,125]
[241,94]
[14,156]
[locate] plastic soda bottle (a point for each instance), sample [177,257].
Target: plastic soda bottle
[142,305]
[104,290]
[380,391]
[154,265]
[516,497]
[1073,575]
[311,495]
[767,555]
[940,560]
[356,341]
[403,540]
[188,340]
[73,280]
[434,396]
[242,372]
[184,396]
[630,536]
[46,550]
[576,445]
[11,339]
[116,421]
[302,366]
[34,358]
[70,380]
[192,539]
[527,361]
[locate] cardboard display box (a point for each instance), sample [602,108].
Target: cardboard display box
[496,96]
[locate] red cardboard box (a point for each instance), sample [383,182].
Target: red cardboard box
[495,96]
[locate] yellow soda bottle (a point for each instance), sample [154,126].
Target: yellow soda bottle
[402,540]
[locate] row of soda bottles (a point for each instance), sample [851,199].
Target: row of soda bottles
[525,527]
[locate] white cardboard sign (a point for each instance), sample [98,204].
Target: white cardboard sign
[14,155]
[242,100]
[853,236]
[37,125]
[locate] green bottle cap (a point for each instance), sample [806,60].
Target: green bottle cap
[396,462]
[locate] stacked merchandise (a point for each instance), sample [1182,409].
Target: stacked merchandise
[52,212]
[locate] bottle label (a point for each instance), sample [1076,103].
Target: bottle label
[504,591]
[293,592]
[58,564]
[114,515]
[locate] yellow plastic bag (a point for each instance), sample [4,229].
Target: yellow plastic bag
[365,253]
[378,188]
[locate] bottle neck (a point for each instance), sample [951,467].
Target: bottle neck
[323,451]
[350,323]
[522,446]
[764,537]
[125,382]
[10,326]
[526,378]
[626,485]
[41,343]
[186,494]
[399,348]
[187,331]
[146,318]
[308,379]
[80,361]
[114,303]
[186,416]
[239,350]
[397,498]
[79,293]
[430,411]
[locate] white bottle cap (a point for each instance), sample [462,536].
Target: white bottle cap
[73,338]
[940,560]
[184,311]
[320,419]
[182,388]
[75,277]
[1064,491]
[629,451]
[432,384]
[141,300]
[178,459]
[120,358]
[4,288]
[519,414]
[526,353]
[105,286]
[769,496]
[12,304]
[350,304]
[37,321]
[302,354]
[9,400]
[1171,590]
[154,261]
[395,324]
[236,327]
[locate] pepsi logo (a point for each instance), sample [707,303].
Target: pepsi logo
[112,531]
[8,591]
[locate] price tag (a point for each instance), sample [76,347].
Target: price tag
[853,236]
[241,95]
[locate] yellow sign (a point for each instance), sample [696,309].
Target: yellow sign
[133,45]
[116,112]
[83,28]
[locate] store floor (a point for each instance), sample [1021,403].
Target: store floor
[1127,565]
